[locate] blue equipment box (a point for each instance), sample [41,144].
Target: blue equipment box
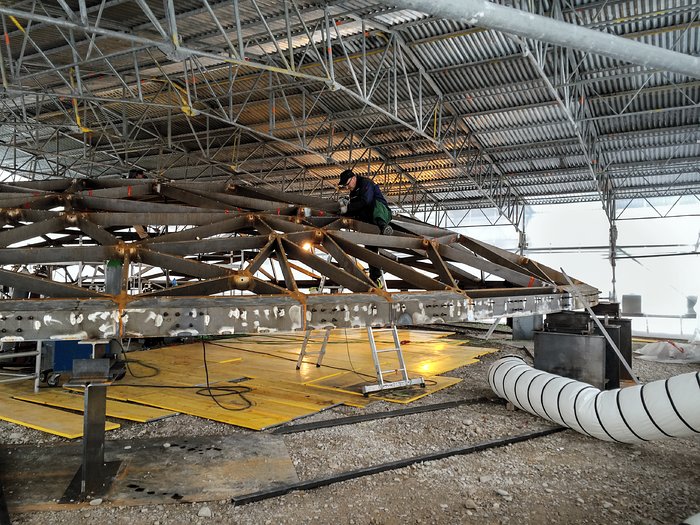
[65,351]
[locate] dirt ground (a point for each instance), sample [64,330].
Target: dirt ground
[561,478]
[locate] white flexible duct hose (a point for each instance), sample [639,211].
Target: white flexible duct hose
[657,410]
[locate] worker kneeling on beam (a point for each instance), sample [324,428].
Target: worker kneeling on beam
[366,203]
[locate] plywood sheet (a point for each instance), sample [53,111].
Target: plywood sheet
[46,419]
[352,383]
[263,411]
[73,401]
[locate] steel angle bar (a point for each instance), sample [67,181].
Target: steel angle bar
[116,219]
[262,256]
[261,225]
[338,275]
[393,241]
[460,275]
[315,203]
[267,288]
[336,224]
[209,186]
[108,204]
[208,287]
[15,200]
[282,212]
[289,280]
[185,266]
[241,201]
[119,192]
[311,236]
[55,255]
[420,228]
[217,225]
[346,262]
[507,273]
[217,245]
[291,225]
[96,233]
[358,226]
[41,286]
[193,199]
[406,273]
[50,185]
[510,260]
[30,231]
[326,222]
[439,265]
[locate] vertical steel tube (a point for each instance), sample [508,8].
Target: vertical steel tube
[93,438]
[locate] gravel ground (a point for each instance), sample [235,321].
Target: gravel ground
[561,478]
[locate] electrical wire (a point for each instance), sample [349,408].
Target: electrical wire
[352,366]
[292,359]
[239,390]
[129,361]
[210,391]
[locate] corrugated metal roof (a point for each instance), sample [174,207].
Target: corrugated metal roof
[440,101]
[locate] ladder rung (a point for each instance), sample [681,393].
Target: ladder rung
[388,350]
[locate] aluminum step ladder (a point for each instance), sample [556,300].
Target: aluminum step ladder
[320,353]
[401,365]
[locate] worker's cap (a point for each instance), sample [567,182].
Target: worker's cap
[136,173]
[345,177]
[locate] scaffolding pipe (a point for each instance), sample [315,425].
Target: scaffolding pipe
[483,13]
[658,410]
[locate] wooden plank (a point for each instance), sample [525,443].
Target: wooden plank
[38,417]
[118,409]
[352,384]
[263,413]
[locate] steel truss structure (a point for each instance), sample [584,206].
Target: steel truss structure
[103,259]
[443,113]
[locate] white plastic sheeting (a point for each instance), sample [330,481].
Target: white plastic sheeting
[657,410]
[670,352]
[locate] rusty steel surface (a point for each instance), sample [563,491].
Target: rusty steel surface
[136,258]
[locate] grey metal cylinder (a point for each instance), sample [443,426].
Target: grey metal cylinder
[483,13]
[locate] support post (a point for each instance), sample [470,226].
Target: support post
[94,438]
[94,476]
[613,258]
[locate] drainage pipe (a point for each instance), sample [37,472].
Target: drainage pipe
[657,410]
[486,14]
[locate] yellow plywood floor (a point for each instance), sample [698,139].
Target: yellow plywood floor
[58,398]
[39,417]
[254,379]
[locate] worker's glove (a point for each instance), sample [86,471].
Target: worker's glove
[343,203]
